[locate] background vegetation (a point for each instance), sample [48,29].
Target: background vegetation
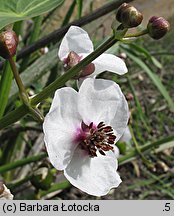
[147,161]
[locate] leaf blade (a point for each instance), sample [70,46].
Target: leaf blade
[154,78]
[15,10]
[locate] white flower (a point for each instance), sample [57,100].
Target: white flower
[80,131]
[76,45]
[126,137]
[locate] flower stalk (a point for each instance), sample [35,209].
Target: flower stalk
[137,34]
[58,83]
[15,115]
[22,90]
[23,93]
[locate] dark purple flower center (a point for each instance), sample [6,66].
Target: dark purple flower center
[96,138]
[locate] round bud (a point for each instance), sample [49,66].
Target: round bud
[157,27]
[8,44]
[129,16]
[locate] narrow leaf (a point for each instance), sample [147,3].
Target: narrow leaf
[37,70]
[80,7]
[146,53]
[69,13]
[156,80]
[5,85]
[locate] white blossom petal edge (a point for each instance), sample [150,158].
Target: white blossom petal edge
[77,40]
[126,137]
[80,131]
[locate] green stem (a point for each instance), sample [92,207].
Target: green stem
[7,120]
[137,34]
[122,160]
[13,116]
[69,14]
[22,162]
[58,83]
[133,153]
[34,36]
[24,97]
[22,90]
[138,148]
[19,183]
[55,187]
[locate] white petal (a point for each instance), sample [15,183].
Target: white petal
[126,137]
[109,62]
[77,40]
[99,100]
[121,117]
[60,126]
[95,176]
[116,151]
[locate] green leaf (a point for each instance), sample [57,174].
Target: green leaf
[146,53]
[138,105]
[80,7]
[156,80]
[122,147]
[69,13]
[36,70]
[5,85]
[16,10]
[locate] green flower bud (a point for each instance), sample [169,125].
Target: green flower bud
[157,27]
[8,44]
[129,16]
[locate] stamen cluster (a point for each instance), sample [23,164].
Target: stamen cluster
[100,138]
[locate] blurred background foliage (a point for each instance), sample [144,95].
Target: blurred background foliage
[148,87]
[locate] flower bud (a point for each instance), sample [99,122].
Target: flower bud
[157,27]
[8,44]
[129,16]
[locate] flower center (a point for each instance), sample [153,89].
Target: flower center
[73,59]
[93,139]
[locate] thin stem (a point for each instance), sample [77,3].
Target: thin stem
[22,162]
[34,36]
[22,90]
[133,153]
[55,187]
[137,147]
[73,71]
[13,116]
[61,80]
[23,94]
[6,120]
[19,182]
[122,160]
[69,13]
[162,53]
[57,35]
[137,34]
